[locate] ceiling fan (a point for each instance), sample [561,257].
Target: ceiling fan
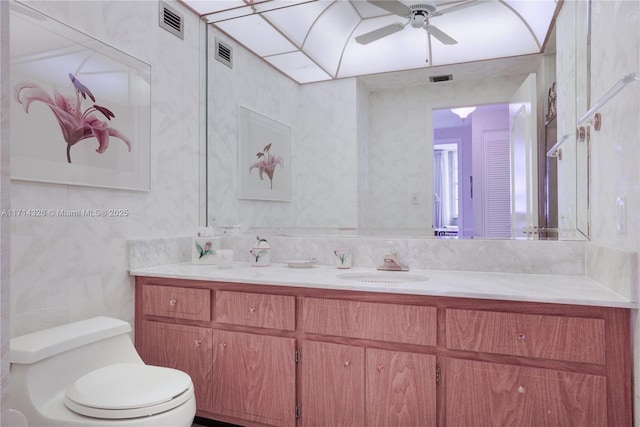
[418,15]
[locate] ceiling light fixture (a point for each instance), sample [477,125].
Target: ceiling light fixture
[463,112]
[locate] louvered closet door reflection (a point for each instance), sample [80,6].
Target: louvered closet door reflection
[497,187]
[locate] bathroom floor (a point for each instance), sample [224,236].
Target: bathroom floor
[204,422]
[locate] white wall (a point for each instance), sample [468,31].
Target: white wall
[615,153]
[5,203]
[615,148]
[65,269]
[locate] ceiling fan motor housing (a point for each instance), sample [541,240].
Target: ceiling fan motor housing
[420,14]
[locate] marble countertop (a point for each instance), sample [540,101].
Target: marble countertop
[544,288]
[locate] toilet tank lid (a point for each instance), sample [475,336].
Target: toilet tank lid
[39,345]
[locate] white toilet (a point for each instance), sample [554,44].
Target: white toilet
[89,374]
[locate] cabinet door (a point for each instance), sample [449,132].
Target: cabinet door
[492,394]
[254,377]
[332,385]
[401,388]
[186,348]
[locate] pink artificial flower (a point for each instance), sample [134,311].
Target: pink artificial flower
[74,124]
[267,164]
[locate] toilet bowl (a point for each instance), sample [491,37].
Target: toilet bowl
[88,374]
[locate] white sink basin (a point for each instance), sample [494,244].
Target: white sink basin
[383,277]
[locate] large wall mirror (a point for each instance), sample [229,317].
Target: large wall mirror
[364,150]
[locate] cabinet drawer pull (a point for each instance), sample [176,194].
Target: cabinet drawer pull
[347,363]
[223,346]
[380,368]
[172,302]
[522,336]
[521,389]
[252,309]
[197,342]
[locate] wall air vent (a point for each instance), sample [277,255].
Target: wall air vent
[443,78]
[171,20]
[224,53]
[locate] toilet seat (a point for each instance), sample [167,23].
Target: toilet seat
[128,390]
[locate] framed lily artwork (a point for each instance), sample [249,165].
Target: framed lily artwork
[80,109]
[264,158]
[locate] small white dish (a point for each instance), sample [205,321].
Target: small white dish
[301,263]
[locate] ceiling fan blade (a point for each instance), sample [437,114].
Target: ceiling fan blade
[393,6]
[458,7]
[440,35]
[374,35]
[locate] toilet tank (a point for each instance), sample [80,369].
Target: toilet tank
[44,363]
[40,345]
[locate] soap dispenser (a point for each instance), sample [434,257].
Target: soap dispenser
[260,253]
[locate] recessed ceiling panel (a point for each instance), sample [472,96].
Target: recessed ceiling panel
[204,7]
[406,49]
[330,33]
[299,67]
[496,33]
[537,15]
[368,10]
[252,7]
[295,22]
[257,35]
[322,33]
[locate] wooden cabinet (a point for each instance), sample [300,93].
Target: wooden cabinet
[239,376]
[254,377]
[375,321]
[176,302]
[332,385]
[400,388]
[186,348]
[550,337]
[285,356]
[494,394]
[346,385]
[259,310]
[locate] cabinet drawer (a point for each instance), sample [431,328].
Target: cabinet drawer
[258,310]
[377,321]
[176,302]
[548,337]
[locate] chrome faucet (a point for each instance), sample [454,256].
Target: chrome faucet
[391,261]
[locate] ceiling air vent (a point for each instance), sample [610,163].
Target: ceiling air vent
[171,20]
[224,53]
[443,78]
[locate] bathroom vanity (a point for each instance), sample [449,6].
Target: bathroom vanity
[280,347]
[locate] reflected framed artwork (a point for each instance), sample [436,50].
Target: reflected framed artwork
[80,109]
[264,158]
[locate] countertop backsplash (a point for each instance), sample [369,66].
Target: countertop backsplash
[508,256]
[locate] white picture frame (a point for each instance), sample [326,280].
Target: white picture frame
[264,165]
[101,135]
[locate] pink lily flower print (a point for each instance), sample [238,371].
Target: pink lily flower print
[75,124]
[266,164]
